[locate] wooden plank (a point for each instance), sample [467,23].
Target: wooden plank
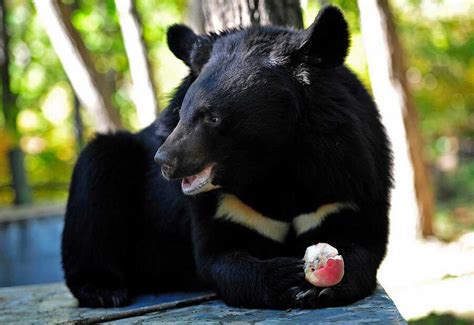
[377,308]
[33,211]
[54,304]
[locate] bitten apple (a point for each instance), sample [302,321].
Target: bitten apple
[323,266]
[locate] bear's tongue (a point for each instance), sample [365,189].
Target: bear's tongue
[194,183]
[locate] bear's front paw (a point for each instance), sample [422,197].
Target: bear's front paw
[314,297]
[306,296]
[281,276]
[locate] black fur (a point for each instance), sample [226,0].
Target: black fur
[294,130]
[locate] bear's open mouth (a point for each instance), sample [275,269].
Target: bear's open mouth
[200,182]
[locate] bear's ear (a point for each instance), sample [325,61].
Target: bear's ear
[326,41]
[181,40]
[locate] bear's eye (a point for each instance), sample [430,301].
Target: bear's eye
[211,119]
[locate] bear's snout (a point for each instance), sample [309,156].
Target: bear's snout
[168,165]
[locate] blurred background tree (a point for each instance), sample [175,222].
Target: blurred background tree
[437,37]
[12,149]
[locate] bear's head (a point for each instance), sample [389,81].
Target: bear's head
[239,120]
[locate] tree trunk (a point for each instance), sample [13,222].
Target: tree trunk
[10,113]
[195,16]
[412,198]
[78,124]
[143,95]
[9,109]
[222,14]
[90,86]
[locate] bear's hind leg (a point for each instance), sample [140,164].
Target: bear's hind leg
[99,289]
[99,223]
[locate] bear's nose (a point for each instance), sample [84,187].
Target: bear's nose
[167,170]
[167,164]
[162,157]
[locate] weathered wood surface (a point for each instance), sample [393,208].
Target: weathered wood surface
[54,304]
[377,308]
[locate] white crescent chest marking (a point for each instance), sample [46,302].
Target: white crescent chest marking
[234,210]
[307,221]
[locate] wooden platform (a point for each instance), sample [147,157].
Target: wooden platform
[54,304]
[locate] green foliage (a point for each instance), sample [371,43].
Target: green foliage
[441,71]
[455,201]
[457,186]
[34,71]
[443,319]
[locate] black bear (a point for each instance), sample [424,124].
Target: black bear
[268,146]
